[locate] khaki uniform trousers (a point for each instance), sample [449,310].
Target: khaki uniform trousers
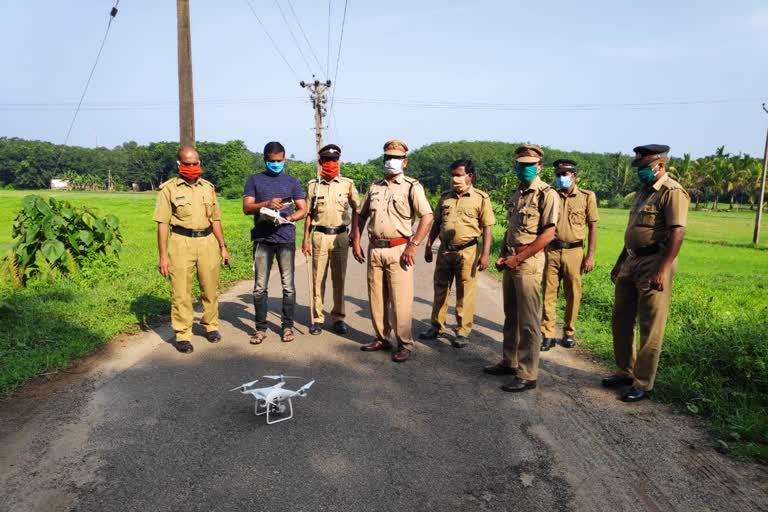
[565,265]
[461,265]
[635,299]
[328,250]
[187,254]
[522,316]
[390,292]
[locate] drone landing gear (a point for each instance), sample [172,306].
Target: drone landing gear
[275,411]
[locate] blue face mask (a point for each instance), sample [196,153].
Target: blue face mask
[275,167]
[563,182]
[526,173]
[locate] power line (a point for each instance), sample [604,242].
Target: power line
[390,102]
[293,37]
[338,56]
[306,39]
[274,44]
[112,14]
[328,47]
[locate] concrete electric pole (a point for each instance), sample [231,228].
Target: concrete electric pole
[761,197]
[186,99]
[318,91]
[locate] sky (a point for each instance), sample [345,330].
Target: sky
[588,75]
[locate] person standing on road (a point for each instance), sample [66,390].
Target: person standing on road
[187,207]
[274,235]
[463,214]
[644,270]
[333,202]
[565,260]
[531,224]
[392,204]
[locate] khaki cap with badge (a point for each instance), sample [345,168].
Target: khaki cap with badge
[528,154]
[648,154]
[395,147]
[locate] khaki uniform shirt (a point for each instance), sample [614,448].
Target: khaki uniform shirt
[655,210]
[330,201]
[393,206]
[577,209]
[460,219]
[530,212]
[187,206]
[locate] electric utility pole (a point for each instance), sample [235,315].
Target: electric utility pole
[186,99]
[761,197]
[318,91]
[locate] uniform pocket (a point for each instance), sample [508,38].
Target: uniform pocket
[528,218]
[401,206]
[468,213]
[647,216]
[182,208]
[577,218]
[209,210]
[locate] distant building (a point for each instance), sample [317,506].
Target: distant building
[60,184]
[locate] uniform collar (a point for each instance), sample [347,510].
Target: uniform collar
[182,181]
[573,192]
[468,193]
[659,182]
[535,185]
[398,179]
[335,178]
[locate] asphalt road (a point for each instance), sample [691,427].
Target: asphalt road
[141,427]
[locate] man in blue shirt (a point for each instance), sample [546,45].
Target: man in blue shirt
[274,235]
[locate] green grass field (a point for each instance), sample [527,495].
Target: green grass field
[715,354]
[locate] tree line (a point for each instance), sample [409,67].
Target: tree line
[713,180]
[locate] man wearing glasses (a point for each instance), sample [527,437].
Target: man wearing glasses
[188,205]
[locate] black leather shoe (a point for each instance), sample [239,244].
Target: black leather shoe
[498,369]
[567,342]
[315,329]
[517,384]
[185,347]
[633,395]
[547,343]
[340,327]
[213,336]
[460,342]
[429,334]
[401,355]
[617,381]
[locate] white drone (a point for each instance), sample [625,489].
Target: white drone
[273,216]
[272,400]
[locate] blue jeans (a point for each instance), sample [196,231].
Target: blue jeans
[263,256]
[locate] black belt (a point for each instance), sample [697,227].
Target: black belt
[559,244]
[330,230]
[192,233]
[644,251]
[454,248]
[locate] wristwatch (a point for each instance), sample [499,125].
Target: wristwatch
[414,242]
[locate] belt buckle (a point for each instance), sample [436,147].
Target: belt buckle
[380,244]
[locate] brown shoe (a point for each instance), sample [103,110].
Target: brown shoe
[401,355]
[376,345]
[258,338]
[288,335]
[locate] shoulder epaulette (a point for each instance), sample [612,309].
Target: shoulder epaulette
[671,184]
[586,192]
[163,184]
[413,181]
[206,182]
[344,178]
[483,194]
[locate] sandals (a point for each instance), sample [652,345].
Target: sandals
[258,338]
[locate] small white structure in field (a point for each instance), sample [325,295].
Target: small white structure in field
[59,184]
[274,400]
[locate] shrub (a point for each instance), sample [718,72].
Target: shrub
[55,237]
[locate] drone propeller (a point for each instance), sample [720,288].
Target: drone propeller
[244,386]
[303,389]
[280,377]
